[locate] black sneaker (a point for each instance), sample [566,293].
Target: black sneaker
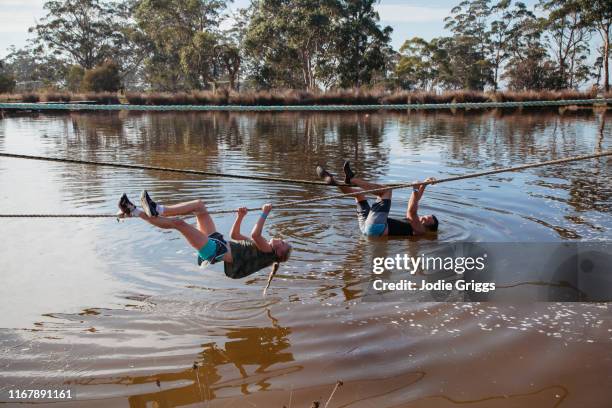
[126,206]
[148,205]
[326,175]
[348,173]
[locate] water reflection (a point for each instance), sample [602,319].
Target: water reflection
[248,359]
[317,295]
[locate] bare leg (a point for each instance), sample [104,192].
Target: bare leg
[205,222]
[371,186]
[195,237]
[348,190]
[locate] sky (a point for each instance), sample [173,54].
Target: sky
[409,18]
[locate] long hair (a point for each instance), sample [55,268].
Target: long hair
[286,255]
[275,266]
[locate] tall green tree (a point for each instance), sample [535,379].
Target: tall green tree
[7,82]
[288,40]
[529,66]
[506,18]
[33,68]
[84,32]
[598,14]
[568,36]
[470,43]
[361,46]
[313,44]
[422,64]
[181,37]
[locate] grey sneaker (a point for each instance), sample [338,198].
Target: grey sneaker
[126,206]
[148,205]
[348,173]
[326,176]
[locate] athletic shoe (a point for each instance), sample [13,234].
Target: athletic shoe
[348,173]
[126,206]
[326,175]
[148,205]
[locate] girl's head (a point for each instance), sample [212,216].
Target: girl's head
[281,248]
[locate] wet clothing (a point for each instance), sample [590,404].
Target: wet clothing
[373,220]
[399,228]
[214,250]
[247,259]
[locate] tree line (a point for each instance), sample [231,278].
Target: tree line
[185,45]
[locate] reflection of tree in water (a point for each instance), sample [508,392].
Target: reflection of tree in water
[245,347]
[477,140]
[288,144]
[492,140]
[294,143]
[165,140]
[588,186]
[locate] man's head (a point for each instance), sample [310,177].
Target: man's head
[430,222]
[281,248]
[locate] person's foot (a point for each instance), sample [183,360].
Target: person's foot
[326,176]
[148,205]
[126,207]
[348,173]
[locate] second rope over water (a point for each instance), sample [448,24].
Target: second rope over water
[296,203]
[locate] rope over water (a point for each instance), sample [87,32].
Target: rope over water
[156,168]
[314,108]
[292,204]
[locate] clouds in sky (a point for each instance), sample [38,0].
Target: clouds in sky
[16,16]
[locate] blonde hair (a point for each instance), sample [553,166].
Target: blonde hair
[286,254]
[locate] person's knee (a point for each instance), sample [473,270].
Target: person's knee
[386,195]
[201,207]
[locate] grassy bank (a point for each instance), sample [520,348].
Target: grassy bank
[300,98]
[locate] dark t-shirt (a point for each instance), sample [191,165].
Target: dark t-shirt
[247,259]
[400,228]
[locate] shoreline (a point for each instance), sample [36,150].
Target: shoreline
[296,100]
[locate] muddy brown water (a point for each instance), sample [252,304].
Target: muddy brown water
[120,312]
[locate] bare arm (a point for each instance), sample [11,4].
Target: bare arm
[261,243]
[413,204]
[235,232]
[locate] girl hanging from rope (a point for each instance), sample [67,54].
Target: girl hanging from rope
[374,221]
[241,256]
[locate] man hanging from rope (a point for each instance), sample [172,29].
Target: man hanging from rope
[242,256]
[374,221]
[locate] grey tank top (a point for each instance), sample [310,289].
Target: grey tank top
[247,259]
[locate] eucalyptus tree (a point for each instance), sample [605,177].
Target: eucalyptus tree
[529,66]
[598,15]
[568,35]
[7,82]
[315,44]
[181,37]
[32,67]
[506,19]
[415,68]
[360,45]
[287,41]
[423,64]
[470,45]
[83,32]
